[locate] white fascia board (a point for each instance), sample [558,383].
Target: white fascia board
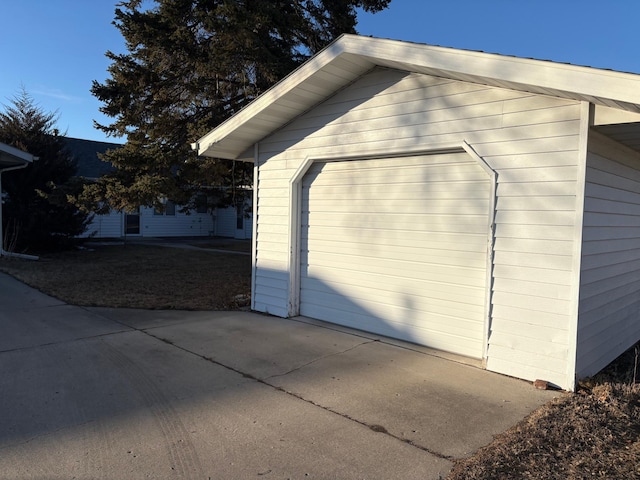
[608,84]
[260,106]
[538,76]
[11,156]
[610,116]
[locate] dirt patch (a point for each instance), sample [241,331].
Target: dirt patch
[139,276]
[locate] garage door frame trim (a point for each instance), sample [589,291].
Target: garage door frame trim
[295,196]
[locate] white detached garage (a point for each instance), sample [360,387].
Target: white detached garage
[474,203]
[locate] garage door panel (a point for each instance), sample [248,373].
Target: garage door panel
[458,286]
[356,180]
[456,190]
[412,189]
[331,174]
[398,247]
[409,190]
[444,340]
[444,206]
[392,163]
[440,299]
[334,266]
[409,316]
[437,289]
[399,257]
[410,223]
[433,321]
[408,255]
[368,236]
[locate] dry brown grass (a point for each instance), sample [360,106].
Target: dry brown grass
[139,276]
[594,433]
[234,246]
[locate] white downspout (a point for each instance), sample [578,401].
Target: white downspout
[2,251]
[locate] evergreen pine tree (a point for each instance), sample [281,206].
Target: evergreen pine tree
[190,65]
[37,214]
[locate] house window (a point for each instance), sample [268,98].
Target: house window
[201,203]
[169,209]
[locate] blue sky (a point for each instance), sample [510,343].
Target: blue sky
[56,48]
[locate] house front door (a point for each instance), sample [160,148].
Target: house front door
[132,222]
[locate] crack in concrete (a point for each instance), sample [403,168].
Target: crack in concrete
[329,355]
[61,342]
[373,427]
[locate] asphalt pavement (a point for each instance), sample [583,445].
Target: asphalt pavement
[120,393]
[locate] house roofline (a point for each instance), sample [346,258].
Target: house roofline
[351,56]
[11,157]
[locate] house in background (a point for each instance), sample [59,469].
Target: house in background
[475,203]
[148,222]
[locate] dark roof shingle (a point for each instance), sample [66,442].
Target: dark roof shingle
[86,154]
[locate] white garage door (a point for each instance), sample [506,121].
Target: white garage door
[398,246]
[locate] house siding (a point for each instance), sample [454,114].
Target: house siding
[227,223]
[105,226]
[610,274]
[179,225]
[530,140]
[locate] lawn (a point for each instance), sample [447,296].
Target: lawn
[140,276]
[594,433]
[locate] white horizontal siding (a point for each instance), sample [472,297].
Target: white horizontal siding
[610,278]
[178,225]
[105,226]
[271,280]
[227,224]
[530,140]
[271,269]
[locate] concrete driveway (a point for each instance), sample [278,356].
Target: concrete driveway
[106,393]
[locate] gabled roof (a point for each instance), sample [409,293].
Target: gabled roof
[13,157]
[86,154]
[350,56]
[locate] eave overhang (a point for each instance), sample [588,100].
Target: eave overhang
[11,157]
[351,56]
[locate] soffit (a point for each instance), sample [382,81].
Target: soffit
[627,133]
[12,157]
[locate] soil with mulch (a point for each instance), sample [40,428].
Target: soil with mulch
[594,433]
[139,276]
